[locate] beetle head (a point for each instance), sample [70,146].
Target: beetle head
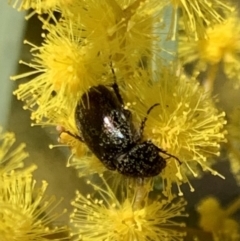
[143,160]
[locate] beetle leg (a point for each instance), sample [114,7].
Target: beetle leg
[74,136]
[145,119]
[115,86]
[117,93]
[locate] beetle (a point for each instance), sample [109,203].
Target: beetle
[107,129]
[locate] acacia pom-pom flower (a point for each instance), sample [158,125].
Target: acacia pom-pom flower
[65,66]
[221,46]
[120,27]
[217,220]
[10,158]
[105,216]
[198,14]
[25,213]
[185,123]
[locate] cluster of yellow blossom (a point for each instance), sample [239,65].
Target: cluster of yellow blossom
[220,48]
[93,38]
[105,216]
[198,14]
[186,122]
[101,42]
[25,212]
[218,221]
[10,158]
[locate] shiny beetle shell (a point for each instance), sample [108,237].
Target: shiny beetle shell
[107,129]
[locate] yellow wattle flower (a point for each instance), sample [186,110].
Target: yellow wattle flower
[65,65]
[196,15]
[186,122]
[221,47]
[222,42]
[109,217]
[123,31]
[78,51]
[25,213]
[10,158]
[218,220]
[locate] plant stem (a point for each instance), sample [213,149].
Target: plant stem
[211,76]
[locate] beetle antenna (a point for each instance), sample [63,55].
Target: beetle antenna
[145,118]
[113,73]
[169,155]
